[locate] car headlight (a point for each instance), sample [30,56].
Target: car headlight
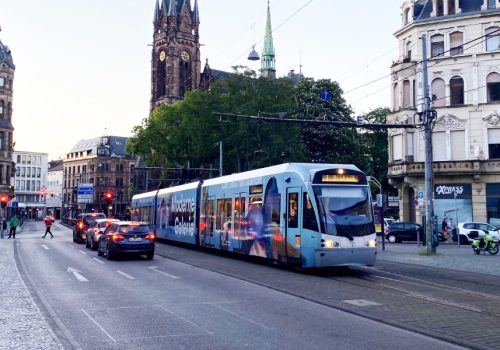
[329,244]
[371,243]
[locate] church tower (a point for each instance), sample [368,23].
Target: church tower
[7,69]
[175,61]
[268,61]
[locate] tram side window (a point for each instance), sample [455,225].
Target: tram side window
[210,218]
[223,213]
[293,203]
[239,214]
[309,221]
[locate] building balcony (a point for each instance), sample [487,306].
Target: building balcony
[444,168]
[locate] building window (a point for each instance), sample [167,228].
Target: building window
[492,38]
[397,148]
[456,91]
[451,7]
[406,94]
[406,16]
[28,159]
[23,171]
[456,43]
[38,172]
[437,45]
[28,172]
[2,82]
[37,186]
[439,148]
[438,89]
[493,87]
[491,4]
[18,171]
[2,108]
[396,97]
[17,184]
[457,146]
[439,8]
[1,140]
[28,185]
[494,143]
[24,159]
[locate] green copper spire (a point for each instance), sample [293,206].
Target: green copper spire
[268,61]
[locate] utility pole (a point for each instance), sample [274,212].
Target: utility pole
[428,116]
[220,158]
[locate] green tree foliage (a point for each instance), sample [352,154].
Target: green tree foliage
[187,133]
[377,144]
[327,143]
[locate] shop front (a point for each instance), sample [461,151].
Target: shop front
[453,202]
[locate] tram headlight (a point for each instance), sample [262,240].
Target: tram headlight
[372,243]
[329,244]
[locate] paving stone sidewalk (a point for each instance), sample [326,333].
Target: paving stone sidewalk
[22,326]
[449,256]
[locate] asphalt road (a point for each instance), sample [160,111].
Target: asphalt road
[92,303]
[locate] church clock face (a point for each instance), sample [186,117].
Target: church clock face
[184,56]
[162,56]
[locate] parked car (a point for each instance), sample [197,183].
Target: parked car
[95,230]
[464,229]
[82,223]
[387,223]
[127,237]
[404,231]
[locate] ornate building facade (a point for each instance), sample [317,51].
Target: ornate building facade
[7,69]
[175,61]
[464,77]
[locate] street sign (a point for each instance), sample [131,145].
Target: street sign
[420,195]
[85,193]
[14,204]
[325,95]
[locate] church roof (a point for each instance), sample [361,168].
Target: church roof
[172,7]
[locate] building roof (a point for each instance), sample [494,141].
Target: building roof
[6,56]
[116,145]
[423,9]
[56,165]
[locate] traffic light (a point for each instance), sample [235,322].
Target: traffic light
[42,194]
[108,196]
[3,200]
[51,194]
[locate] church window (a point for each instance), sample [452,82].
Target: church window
[160,78]
[493,87]
[438,89]
[185,78]
[451,7]
[492,38]
[456,43]
[437,45]
[456,91]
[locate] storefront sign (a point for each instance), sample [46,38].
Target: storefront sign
[449,191]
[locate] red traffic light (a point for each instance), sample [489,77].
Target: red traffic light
[108,196]
[3,200]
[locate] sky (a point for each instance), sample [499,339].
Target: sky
[83,66]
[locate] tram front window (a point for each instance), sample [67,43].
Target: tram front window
[344,211]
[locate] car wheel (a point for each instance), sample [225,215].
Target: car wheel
[93,245]
[109,254]
[99,252]
[392,239]
[87,245]
[150,256]
[463,240]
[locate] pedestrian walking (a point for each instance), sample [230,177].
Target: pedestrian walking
[3,228]
[14,222]
[48,223]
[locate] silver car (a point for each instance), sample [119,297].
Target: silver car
[95,230]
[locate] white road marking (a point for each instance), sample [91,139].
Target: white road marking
[98,325]
[45,247]
[239,316]
[182,318]
[124,274]
[154,268]
[76,273]
[99,261]
[81,251]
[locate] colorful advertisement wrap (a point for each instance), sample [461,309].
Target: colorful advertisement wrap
[452,203]
[176,216]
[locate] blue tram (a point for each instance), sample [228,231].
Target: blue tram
[310,215]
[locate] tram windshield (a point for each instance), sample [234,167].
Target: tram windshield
[344,211]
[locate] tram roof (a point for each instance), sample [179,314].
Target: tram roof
[304,170]
[189,186]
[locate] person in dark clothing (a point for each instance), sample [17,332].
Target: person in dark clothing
[444,227]
[14,222]
[48,223]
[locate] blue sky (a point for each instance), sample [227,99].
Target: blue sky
[83,67]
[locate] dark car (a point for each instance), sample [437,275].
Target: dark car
[404,231]
[127,237]
[83,222]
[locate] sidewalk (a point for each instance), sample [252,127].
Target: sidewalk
[449,256]
[21,323]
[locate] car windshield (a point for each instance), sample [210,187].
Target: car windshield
[344,211]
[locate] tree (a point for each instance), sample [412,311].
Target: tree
[377,144]
[327,143]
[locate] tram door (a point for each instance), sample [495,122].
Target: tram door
[239,219]
[293,223]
